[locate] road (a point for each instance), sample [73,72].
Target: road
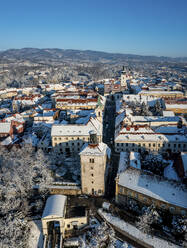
[108,138]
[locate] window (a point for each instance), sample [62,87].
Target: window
[174,145]
[59,138]
[127,144]
[92,182]
[145,199]
[66,138]
[78,138]
[179,145]
[117,144]
[129,193]
[92,175]
[171,209]
[132,144]
[68,225]
[120,190]
[158,145]
[183,212]
[184,145]
[91,168]
[72,144]
[55,138]
[78,149]
[144,145]
[91,160]
[153,144]
[72,138]
[66,143]
[163,206]
[169,145]
[149,145]
[78,143]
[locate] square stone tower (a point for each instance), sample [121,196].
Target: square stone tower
[95,158]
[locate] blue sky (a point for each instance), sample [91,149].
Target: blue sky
[147,27]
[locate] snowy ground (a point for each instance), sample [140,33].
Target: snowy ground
[35,238]
[133,231]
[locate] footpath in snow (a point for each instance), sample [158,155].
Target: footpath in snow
[132,231]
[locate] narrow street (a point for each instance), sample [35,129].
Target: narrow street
[108,138]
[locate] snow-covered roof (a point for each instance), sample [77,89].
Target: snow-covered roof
[170,129]
[150,137]
[15,117]
[77,129]
[119,118]
[150,92]
[176,106]
[137,129]
[184,160]
[170,173]
[118,105]
[168,113]
[6,141]
[154,118]
[99,150]
[135,160]
[154,187]
[5,127]
[123,161]
[55,206]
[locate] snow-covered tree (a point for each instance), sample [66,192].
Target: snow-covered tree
[179,224]
[149,216]
[20,170]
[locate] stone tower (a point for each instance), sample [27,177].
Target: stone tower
[95,158]
[124,78]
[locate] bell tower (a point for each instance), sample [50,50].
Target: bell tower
[124,78]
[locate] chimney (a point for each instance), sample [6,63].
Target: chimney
[93,138]
[128,128]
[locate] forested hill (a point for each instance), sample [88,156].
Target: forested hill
[35,54]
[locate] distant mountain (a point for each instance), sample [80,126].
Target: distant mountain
[50,54]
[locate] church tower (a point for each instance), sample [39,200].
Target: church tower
[124,78]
